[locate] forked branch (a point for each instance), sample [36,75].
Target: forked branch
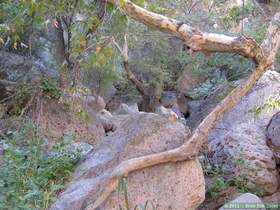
[124,52]
[192,37]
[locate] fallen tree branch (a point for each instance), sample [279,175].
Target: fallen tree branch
[263,56]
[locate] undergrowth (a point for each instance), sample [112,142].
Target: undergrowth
[270,104]
[25,94]
[31,175]
[240,180]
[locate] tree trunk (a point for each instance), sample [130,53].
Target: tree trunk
[60,53]
[150,97]
[263,57]
[150,103]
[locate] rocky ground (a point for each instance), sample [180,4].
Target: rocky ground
[244,141]
[241,134]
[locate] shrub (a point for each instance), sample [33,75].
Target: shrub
[32,175]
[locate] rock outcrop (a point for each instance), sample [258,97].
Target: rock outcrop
[18,69]
[15,67]
[241,135]
[174,186]
[273,136]
[166,112]
[127,109]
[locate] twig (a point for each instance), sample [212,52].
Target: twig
[29,103]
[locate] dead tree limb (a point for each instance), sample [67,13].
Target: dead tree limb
[124,52]
[263,57]
[149,94]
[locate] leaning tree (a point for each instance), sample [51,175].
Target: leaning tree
[262,55]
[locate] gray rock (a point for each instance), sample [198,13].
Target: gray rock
[273,136]
[81,147]
[127,109]
[107,120]
[246,201]
[176,185]
[185,85]
[166,112]
[15,67]
[241,135]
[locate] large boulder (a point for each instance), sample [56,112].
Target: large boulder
[107,120]
[170,186]
[15,67]
[241,135]
[127,109]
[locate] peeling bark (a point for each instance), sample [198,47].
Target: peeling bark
[193,37]
[263,57]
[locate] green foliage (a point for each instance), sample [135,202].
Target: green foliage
[83,115]
[229,89]
[272,103]
[236,13]
[25,93]
[221,69]
[20,98]
[217,186]
[51,89]
[139,2]
[31,175]
[89,42]
[240,180]
[209,86]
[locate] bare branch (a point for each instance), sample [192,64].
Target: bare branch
[139,85]
[192,37]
